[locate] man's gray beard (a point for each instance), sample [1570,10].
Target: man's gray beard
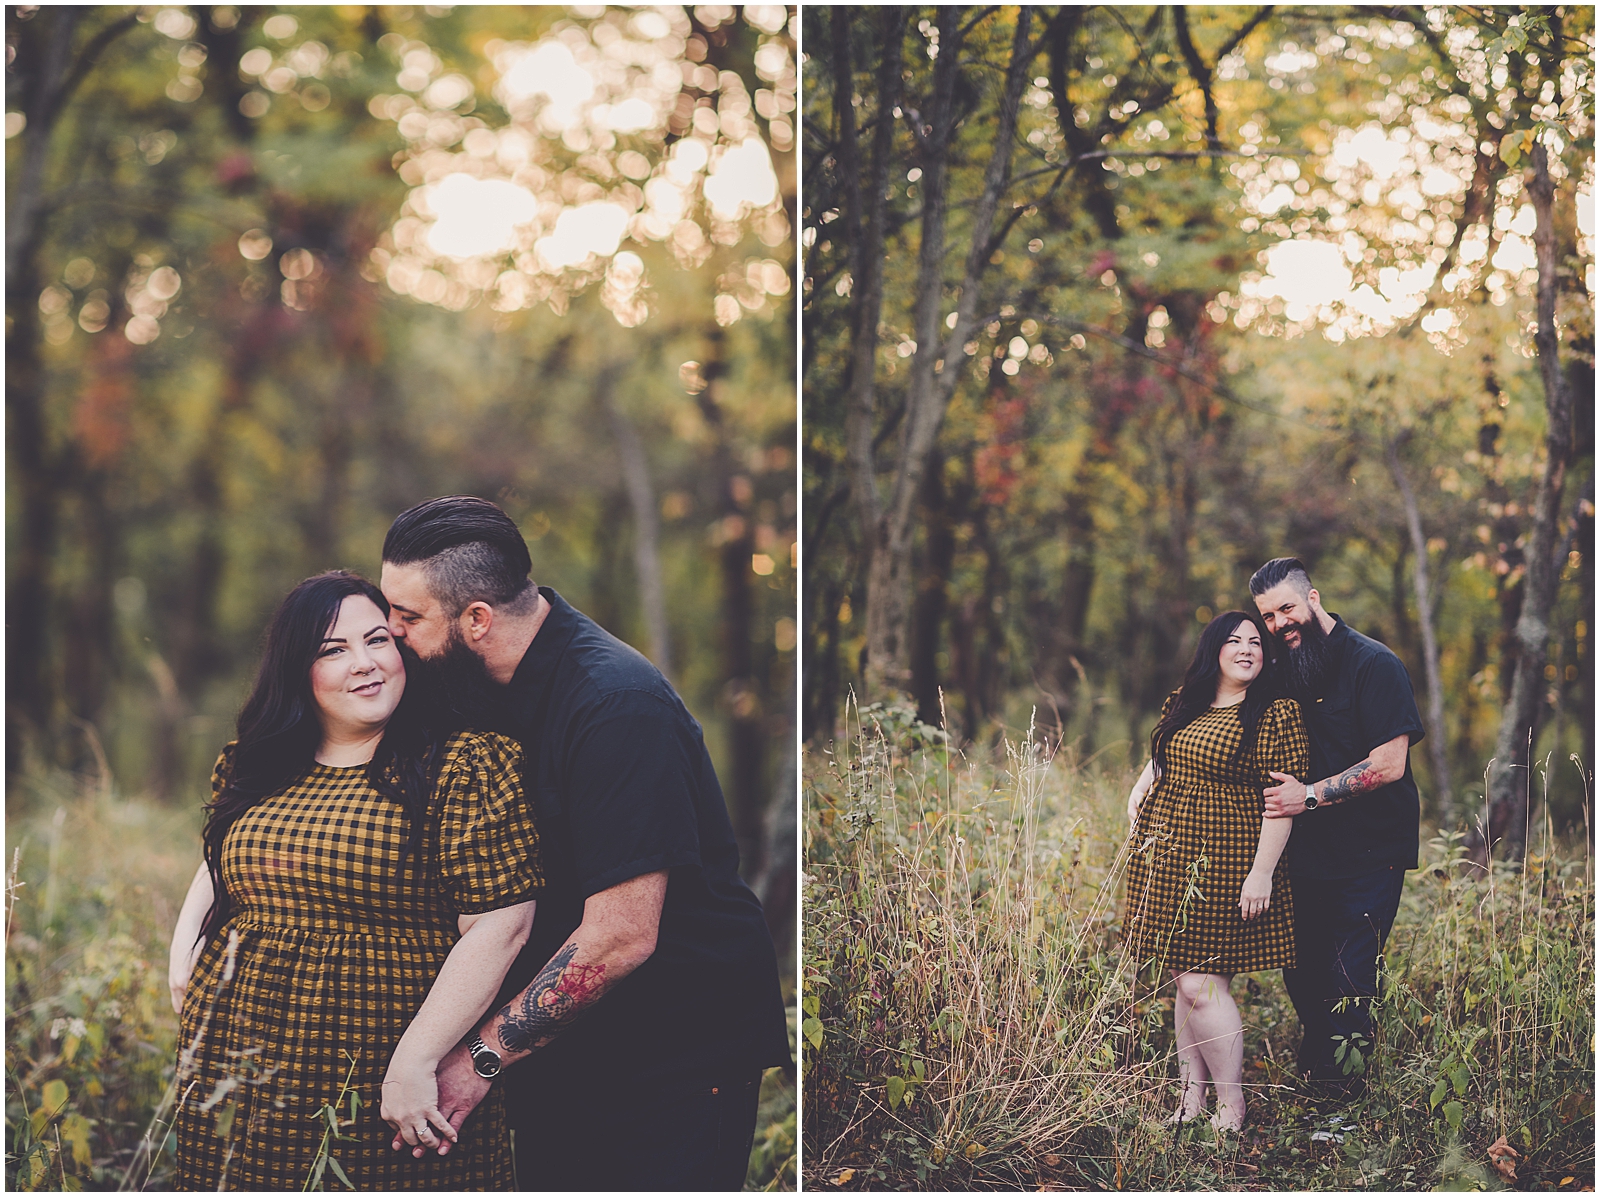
[461,685]
[1306,666]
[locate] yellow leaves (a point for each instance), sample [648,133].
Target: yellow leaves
[53,1099]
[75,1134]
[845,1177]
[973,1150]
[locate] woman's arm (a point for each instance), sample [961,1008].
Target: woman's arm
[1256,894]
[1140,789]
[465,986]
[186,943]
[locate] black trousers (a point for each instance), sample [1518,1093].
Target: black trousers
[616,1134]
[1340,928]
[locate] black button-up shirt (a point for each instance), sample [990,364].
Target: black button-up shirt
[622,785]
[1366,701]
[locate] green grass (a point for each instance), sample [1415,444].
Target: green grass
[969,1021]
[96,881]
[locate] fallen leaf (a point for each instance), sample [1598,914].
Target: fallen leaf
[973,1150]
[845,1177]
[1504,1158]
[1052,1160]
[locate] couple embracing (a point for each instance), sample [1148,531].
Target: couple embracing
[1273,828]
[466,860]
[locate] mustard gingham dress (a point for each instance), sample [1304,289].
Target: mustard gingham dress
[1195,840]
[338,949]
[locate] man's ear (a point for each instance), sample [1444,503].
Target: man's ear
[1313,599]
[476,621]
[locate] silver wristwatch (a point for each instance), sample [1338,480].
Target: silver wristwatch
[1311,796]
[485,1060]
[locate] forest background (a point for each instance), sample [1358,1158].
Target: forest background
[274,274]
[1097,322]
[1102,307]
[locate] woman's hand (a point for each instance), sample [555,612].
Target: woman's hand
[1256,895]
[411,1105]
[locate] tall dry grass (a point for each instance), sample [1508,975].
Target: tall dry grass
[95,881]
[969,1019]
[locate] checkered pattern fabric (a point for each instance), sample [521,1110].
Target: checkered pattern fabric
[1194,842]
[339,946]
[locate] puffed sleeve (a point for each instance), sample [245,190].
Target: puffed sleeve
[1281,742]
[488,844]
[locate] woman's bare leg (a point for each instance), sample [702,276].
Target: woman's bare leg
[1218,1038]
[1192,1074]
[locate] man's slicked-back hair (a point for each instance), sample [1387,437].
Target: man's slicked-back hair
[470,551]
[1281,569]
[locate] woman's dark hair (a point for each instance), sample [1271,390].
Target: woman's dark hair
[1199,688]
[279,730]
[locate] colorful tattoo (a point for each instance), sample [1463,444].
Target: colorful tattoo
[560,993]
[1357,779]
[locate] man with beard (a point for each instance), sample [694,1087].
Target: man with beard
[1358,824]
[639,1018]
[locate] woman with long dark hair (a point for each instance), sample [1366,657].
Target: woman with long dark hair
[1208,895]
[368,880]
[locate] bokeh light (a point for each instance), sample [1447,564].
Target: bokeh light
[615,135]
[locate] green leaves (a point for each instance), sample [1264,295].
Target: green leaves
[895,1090]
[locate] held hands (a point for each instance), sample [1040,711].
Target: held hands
[1255,896]
[411,1106]
[1286,799]
[460,1089]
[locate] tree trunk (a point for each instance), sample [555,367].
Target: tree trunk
[865,217]
[933,581]
[744,696]
[936,365]
[646,522]
[41,106]
[1438,745]
[1509,784]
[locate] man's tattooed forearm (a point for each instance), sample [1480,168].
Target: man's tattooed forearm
[1357,779]
[560,993]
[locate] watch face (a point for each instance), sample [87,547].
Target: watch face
[487,1063]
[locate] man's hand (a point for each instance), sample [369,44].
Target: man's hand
[460,1089]
[1286,799]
